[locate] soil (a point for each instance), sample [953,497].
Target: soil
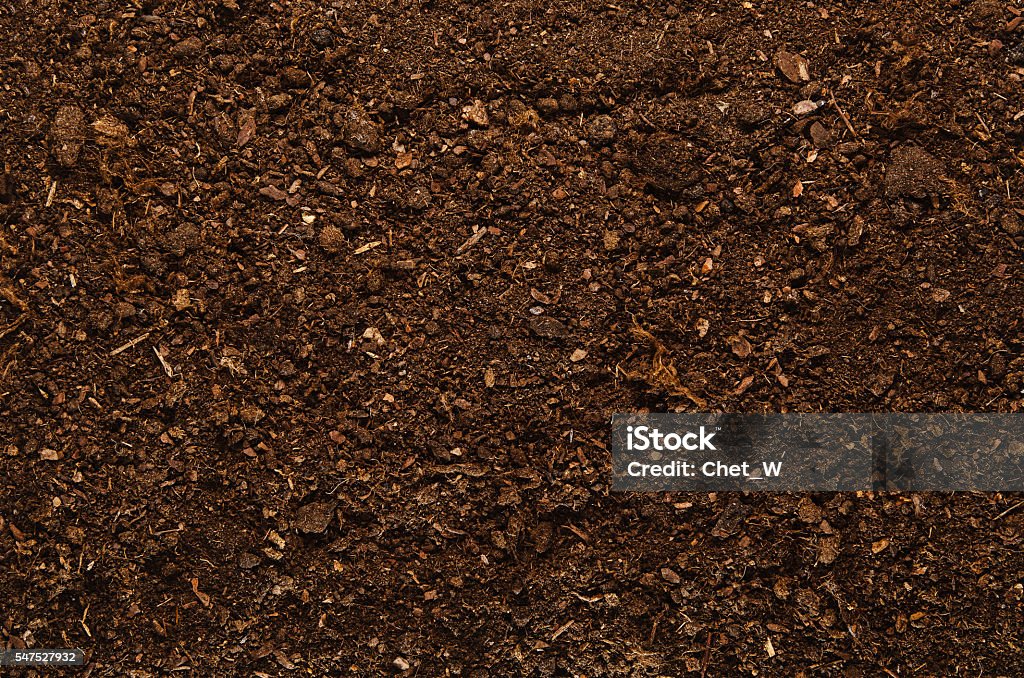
[313,317]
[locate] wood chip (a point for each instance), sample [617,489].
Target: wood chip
[743,385]
[794,67]
[203,598]
[168,370]
[130,344]
[15,532]
[740,346]
[246,127]
[806,107]
[368,246]
[472,240]
[274,193]
[540,296]
[562,629]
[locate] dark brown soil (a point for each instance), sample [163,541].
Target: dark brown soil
[312,319]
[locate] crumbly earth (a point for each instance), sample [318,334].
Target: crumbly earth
[313,317]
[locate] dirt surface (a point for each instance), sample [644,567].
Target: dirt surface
[312,319]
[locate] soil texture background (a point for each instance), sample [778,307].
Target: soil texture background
[313,317]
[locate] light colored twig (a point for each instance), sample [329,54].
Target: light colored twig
[846,120]
[134,342]
[1008,511]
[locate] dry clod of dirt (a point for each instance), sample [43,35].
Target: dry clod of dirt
[828,550]
[821,136]
[548,327]
[278,102]
[601,130]
[110,132]
[809,512]
[332,239]
[294,78]
[67,135]
[1011,222]
[359,131]
[189,47]
[668,163]
[418,198]
[476,113]
[251,414]
[548,106]
[314,518]
[912,172]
